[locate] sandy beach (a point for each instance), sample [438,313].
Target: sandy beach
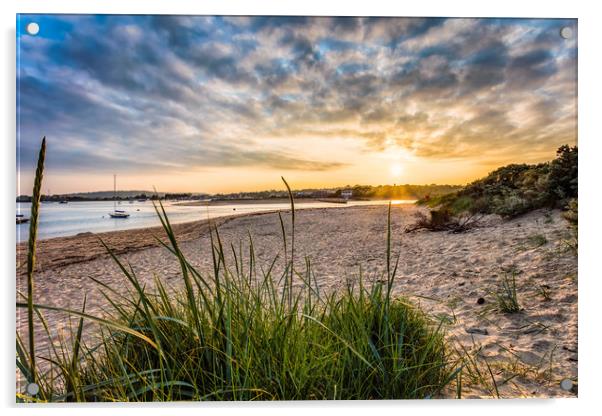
[528,352]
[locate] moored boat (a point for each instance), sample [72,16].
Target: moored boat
[21,219]
[117,213]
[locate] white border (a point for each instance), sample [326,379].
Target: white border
[458,8]
[590,92]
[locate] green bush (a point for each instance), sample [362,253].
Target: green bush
[516,189]
[562,180]
[510,204]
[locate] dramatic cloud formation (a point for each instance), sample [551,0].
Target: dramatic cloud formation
[328,99]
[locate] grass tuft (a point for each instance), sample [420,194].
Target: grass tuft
[506,296]
[537,240]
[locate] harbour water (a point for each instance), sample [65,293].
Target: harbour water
[60,220]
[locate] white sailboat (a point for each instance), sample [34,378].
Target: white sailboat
[117,213]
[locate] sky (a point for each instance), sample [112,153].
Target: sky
[226,104]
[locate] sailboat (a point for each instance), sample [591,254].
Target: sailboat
[117,213]
[21,219]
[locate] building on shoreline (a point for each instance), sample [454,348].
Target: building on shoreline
[346,193]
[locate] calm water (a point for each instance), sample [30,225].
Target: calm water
[58,220]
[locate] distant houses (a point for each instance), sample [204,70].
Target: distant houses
[301,194]
[346,193]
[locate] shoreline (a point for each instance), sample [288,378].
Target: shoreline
[57,252]
[22,229]
[221,202]
[298,201]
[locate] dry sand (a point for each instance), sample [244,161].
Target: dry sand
[528,352]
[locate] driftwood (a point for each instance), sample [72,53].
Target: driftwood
[443,220]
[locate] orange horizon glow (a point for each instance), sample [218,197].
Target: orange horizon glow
[380,169]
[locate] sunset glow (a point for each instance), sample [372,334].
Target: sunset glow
[396,170]
[224,104]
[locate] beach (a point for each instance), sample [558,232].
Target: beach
[451,276]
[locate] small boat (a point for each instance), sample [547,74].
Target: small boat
[21,219]
[141,200]
[64,201]
[117,213]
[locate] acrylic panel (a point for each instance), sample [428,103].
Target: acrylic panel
[295,208]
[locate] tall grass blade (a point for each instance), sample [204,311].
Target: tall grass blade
[31,256]
[292,268]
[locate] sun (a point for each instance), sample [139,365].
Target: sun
[396,170]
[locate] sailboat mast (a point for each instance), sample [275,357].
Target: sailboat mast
[114,192]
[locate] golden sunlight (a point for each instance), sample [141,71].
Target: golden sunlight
[396,170]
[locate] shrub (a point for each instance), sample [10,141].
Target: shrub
[562,180]
[571,215]
[516,189]
[509,204]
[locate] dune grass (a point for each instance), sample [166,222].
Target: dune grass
[243,332]
[537,240]
[506,297]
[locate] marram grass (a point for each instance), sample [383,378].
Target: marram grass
[244,333]
[31,259]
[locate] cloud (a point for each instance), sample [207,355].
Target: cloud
[186,92]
